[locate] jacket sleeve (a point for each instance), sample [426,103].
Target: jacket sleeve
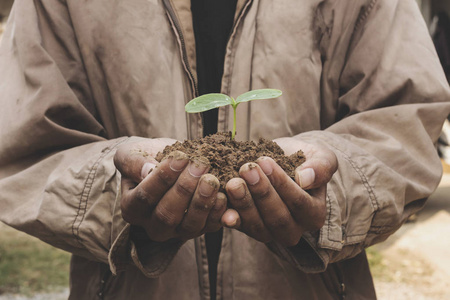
[391,101]
[55,172]
[58,181]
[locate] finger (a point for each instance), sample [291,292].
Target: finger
[275,214]
[138,200]
[305,178]
[241,200]
[231,219]
[161,179]
[134,162]
[317,170]
[213,223]
[308,209]
[133,211]
[200,206]
[169,212]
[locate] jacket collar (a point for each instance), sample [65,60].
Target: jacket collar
[180,15]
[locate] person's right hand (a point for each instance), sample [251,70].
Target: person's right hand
[171,199]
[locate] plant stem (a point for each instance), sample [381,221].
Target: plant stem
[233,133]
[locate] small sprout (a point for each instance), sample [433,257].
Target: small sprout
[211,101]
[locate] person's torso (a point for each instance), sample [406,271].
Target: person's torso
[140,60]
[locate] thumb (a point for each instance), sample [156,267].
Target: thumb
[316,172]
[134,163]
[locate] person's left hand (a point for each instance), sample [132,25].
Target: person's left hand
[268,205]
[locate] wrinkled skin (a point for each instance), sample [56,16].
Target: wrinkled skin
[178,199]
[269,206]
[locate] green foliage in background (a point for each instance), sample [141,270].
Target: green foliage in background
[376,263]
[27,265]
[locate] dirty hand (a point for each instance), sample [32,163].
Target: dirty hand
[269,206]
[171,199]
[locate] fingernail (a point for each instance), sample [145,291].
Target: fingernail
[146,169]
[197,168]
[265,164]
[238,192]
[306,177]
[207,187]
[250,174]
[178,161]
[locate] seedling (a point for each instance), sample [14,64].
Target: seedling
[210,101]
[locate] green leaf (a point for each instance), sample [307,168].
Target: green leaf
[258,94]
[207,102]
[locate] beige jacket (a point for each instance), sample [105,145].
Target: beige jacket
[78,77]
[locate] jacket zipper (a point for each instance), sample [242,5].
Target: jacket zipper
[177,26]
[184,57]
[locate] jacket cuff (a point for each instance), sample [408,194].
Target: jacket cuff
[333,242]
[131,245]
[152,258]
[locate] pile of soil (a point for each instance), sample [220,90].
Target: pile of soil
[226,156]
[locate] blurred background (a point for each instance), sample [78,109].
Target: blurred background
[5,8]
[414,263]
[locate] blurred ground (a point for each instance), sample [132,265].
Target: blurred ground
[415,261]
[2,25]
[62,295]
[5,8]
[29,267]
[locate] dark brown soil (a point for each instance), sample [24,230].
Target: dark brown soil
[227,156]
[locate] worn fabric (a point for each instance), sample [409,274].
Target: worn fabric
[78,79]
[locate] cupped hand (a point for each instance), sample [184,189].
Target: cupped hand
[175,198]
[268,205]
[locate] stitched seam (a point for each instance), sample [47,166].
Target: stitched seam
[86,192]
[369,189]
[356,235]
[363,16]
[329,220]
[83,200]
